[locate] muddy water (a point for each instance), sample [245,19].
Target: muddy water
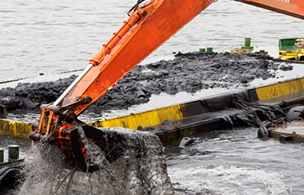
[220,162]
[236,162]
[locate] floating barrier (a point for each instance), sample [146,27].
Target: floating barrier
[15,129]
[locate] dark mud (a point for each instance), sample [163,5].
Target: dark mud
[254,114]
[189,72]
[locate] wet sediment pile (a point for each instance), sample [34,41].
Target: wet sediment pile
[189,72]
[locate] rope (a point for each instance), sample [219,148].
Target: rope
[136,6]
[212,1]
[140,1]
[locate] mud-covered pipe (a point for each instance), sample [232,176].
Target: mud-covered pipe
[139,93]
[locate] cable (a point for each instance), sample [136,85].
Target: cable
[135,6]
[212,1]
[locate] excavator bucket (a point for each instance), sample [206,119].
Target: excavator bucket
[94,148]
[83,146]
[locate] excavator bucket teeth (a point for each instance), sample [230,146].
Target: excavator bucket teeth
[85,140]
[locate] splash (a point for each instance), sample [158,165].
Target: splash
[141,170]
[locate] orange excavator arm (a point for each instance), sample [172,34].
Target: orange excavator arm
[147,28]
[293,8]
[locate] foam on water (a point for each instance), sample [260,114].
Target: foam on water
[141,170]
[227,179]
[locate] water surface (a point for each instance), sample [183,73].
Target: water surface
[57,38]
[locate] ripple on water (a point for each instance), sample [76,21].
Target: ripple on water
[221,163]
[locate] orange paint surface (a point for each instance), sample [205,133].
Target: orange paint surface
[163,19]
[293,8]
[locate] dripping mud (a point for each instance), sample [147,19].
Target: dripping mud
[141,170]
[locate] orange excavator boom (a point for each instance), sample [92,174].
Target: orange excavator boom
[148,27]
[293,8]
